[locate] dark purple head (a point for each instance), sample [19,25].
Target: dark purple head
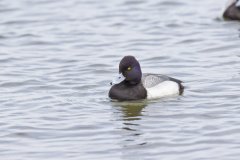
[131,70]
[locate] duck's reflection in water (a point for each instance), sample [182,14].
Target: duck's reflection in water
[131,115]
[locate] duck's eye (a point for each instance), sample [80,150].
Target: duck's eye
[129,68]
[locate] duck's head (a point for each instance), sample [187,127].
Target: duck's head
[129,71]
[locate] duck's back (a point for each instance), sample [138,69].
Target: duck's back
[158,85]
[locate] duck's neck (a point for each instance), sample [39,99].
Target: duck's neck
[131,83]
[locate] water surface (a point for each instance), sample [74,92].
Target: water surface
[58,57]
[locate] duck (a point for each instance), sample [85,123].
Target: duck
[232,11]
[132,84]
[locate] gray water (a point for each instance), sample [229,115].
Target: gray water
[58,57]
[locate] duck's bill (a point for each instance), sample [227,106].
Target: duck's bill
[118,79]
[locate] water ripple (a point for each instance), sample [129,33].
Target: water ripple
[58,57]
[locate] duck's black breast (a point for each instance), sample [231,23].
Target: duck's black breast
[124,91]
[232,12]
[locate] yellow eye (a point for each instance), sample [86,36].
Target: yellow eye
[129,68]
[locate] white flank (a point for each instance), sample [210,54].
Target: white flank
[163,89]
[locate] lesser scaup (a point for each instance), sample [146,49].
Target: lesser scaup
[232,11]
[134,85]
